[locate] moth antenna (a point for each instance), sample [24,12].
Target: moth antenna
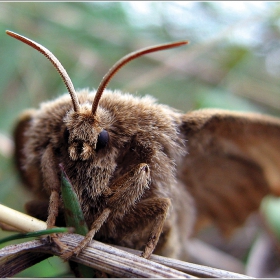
[120,63]
[62,72]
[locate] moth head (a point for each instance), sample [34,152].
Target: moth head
[84,133]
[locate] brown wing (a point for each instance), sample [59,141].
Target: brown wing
[31,177]
[233,161]
[20,140]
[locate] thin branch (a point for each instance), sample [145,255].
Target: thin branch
[98,256]
[20,221]
[116,261]
[197,270]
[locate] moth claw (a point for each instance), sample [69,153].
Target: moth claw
[53,238]
[146,253]
[67,255]
[142,255]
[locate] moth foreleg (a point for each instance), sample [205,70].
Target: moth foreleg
[51,183]
[155,210]
[94,228]
[122,195]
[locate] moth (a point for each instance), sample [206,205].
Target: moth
[146,175]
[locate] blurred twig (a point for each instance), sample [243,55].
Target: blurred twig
[260,256]
[20,221]
[6,145]
[213,257]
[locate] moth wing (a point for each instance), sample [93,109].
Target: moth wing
[233,161]
[29,177]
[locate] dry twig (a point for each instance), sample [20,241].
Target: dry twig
[119,262]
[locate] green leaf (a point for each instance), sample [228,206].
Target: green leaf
[271,208]
[34,234]
[73,213]
[74,216]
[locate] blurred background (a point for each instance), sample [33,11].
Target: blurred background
[232,62]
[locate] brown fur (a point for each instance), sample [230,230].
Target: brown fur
[160,175]
[151,138]
[223,169]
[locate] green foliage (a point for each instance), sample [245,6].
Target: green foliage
[271,209]
[74,216]
[33,234]
[53,267]
[73,213]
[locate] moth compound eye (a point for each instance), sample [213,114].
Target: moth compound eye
[66,135]
[102,140]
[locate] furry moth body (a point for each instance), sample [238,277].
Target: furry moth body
[145,174]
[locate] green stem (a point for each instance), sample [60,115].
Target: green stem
[34,234]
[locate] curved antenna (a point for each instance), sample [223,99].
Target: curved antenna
[124,61]
[62,72]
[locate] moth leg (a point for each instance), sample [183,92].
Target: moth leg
[53,208]
[51,183]
[88,238]
[121,197]
[154,209]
